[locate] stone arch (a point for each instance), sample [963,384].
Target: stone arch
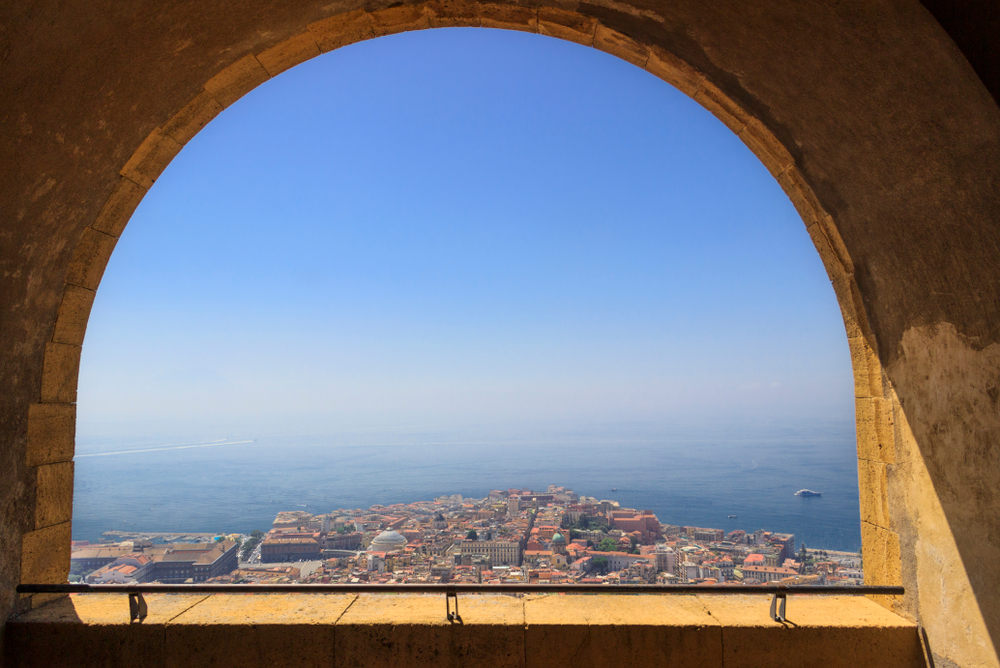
[903,495]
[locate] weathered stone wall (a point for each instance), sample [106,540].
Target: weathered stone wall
[865,112]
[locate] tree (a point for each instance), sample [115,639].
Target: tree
[600,564]
[584,522]
[574,534]
[472,535]
[803,554]
[607,545]
[251,543]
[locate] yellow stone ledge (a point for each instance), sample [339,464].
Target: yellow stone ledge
[373,630]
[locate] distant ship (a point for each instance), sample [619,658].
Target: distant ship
[807,492]
[732,517]
[614,489]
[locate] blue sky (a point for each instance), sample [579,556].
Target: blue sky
[457,228]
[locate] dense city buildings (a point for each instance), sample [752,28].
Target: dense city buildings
[513,535]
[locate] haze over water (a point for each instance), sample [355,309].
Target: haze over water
[687,477]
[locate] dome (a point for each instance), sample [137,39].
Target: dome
[439,518]
[559,538]
[387,541]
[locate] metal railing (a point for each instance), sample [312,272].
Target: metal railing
[138,608]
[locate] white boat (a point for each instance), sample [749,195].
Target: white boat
[807,492]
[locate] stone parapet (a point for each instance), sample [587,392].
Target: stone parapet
[497,631]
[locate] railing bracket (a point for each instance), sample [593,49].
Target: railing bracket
[778,611]
[452,616]
[136,607]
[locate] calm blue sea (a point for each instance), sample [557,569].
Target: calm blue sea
[194,485]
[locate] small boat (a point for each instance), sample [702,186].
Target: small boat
[807,492]
[732,517]
[614,489]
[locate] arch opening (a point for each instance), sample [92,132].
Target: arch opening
[732,264]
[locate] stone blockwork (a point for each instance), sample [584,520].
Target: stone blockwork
[495,632]
[867,114]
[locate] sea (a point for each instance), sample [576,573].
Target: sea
[728,478]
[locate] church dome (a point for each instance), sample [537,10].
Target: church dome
[559,539]
[387,541]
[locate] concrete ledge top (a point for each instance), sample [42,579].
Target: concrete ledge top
[409,609]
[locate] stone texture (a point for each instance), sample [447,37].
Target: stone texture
[880,552]
[766,147]
[117,211]
[74,312]
[846,632]
[189,121]
[620,630]
[453,14]
[721,106]
[256,630]
[875,430]
[53,494]
[60,372]
[851,306]
[151,158]
[94,630]
[341,30]
[831,247]
[803,198]
[400,18]
[508,17]
[674,71]
[391,630]
[90,258]
[289,53]
[874,487]
[51,429]
[45,555]
[236,80]
[623,46]
[566,25]
[864,362]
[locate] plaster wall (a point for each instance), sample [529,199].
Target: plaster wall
[866,113]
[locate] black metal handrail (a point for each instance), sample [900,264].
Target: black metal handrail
[138,608]
[513,588]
